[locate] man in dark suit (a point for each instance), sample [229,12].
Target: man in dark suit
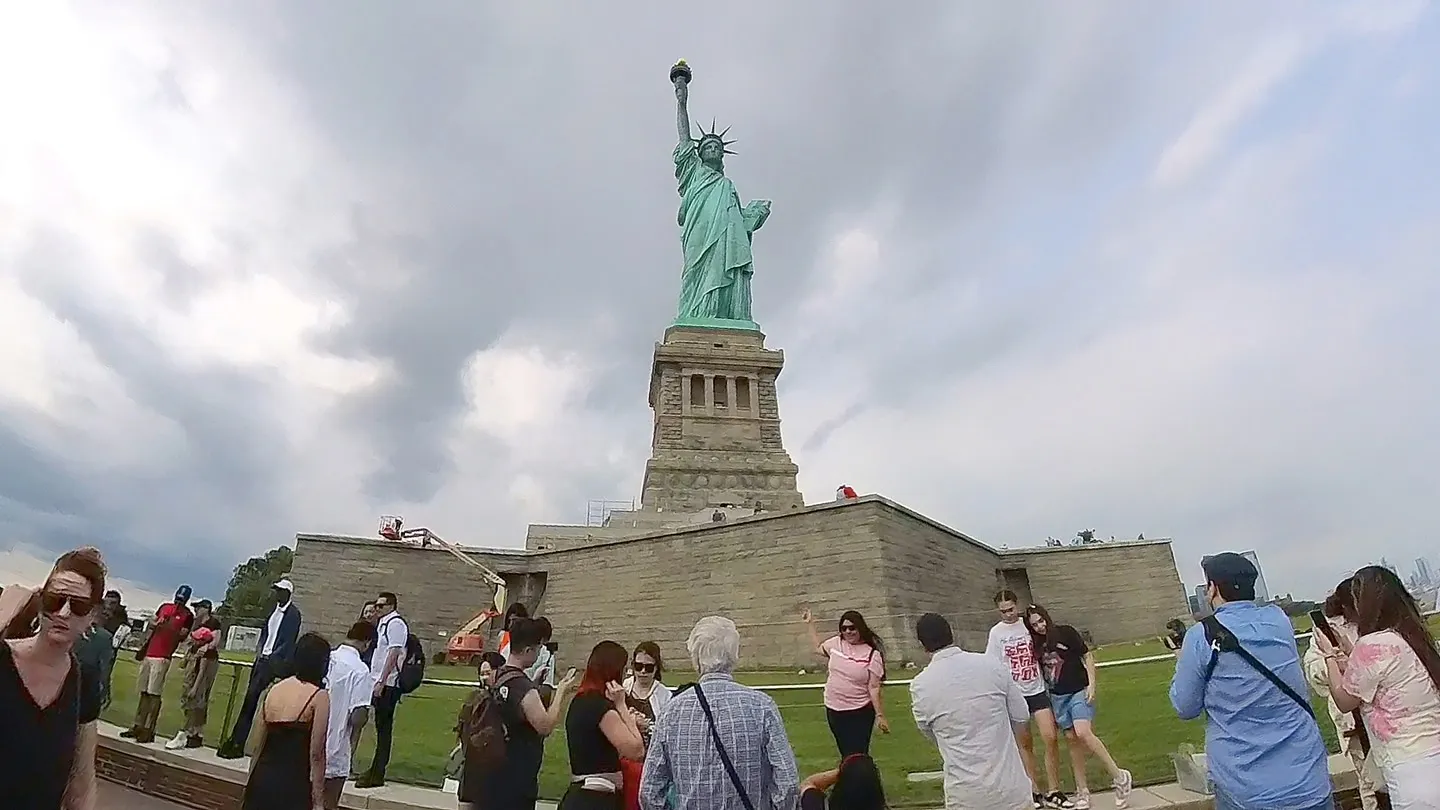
[277,646]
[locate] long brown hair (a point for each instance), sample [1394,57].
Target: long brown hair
[1038,639]
[1382,602]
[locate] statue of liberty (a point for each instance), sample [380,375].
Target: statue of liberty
[715,230]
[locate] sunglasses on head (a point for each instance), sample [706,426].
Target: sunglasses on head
[639,667]
[51,602]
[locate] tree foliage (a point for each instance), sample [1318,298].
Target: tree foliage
[247,598]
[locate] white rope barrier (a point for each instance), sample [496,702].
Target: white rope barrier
[790,687]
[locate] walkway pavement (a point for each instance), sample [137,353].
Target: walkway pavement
[114,797]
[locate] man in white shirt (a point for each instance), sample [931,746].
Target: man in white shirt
[1010,643]
[385,693]
[966,704]
[350,687]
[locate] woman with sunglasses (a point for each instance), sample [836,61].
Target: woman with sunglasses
[856,661]
[48,704]
[644,690]
[646,696]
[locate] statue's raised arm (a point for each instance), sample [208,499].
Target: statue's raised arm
[715,229]
[680,77]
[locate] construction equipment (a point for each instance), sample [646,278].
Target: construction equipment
[466,644]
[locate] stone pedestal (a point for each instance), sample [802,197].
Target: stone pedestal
[717,424]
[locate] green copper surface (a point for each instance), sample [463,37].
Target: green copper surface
[715,229]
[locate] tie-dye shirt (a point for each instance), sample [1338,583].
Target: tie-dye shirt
[1401,705]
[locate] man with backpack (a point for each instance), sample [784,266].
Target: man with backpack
[503,728]
[1241,668]
[392,657]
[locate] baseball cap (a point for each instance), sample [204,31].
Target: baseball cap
[1229,568]
[183,592]
[284,585]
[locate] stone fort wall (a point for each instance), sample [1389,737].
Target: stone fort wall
[871,555]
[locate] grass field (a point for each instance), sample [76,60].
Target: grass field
[1135,720]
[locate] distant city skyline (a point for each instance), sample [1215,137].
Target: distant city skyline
[1424,571]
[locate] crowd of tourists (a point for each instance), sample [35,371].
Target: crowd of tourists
[1373,658]
[636,743]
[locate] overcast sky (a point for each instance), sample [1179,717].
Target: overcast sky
[1036,267]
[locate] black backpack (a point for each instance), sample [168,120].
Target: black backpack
[482,723]
[412,668]
[412,665]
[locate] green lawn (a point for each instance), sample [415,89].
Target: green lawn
[1135,720]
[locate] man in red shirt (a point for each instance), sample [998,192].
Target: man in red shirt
[171,624]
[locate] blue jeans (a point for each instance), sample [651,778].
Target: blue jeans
[1222,803]
[1069,708]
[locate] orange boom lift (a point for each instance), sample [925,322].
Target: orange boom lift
[467,643]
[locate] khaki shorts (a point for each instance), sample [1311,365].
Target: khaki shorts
[152,675]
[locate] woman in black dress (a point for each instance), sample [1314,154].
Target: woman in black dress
[288,773]
[48,702]
[599,730]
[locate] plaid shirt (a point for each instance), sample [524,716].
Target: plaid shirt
[683,756]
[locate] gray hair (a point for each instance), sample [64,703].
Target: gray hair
[714,645]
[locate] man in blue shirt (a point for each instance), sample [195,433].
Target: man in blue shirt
[1263,749]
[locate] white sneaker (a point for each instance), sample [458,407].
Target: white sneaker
[1124,783]
[1082,800]
[179,742]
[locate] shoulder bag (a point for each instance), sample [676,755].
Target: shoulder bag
[720,749]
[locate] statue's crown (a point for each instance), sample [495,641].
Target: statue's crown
[712,135]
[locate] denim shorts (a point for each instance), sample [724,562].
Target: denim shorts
[1069,708]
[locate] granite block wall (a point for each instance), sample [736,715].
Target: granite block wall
[1118,591]
[872,555]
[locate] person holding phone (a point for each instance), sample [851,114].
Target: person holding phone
[527,720]
[600,729]
[1392,675]
[1336,620]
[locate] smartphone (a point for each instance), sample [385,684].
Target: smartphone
[553,646]
[1322,624]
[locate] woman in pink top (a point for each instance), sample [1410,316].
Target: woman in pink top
[856,659]
[1392,675]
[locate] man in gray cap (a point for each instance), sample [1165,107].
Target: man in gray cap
[1241,667]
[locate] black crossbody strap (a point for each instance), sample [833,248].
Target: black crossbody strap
[720,749]
[1222,640]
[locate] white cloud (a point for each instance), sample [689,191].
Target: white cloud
[1215,122]
[28,566]
[1173,336]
